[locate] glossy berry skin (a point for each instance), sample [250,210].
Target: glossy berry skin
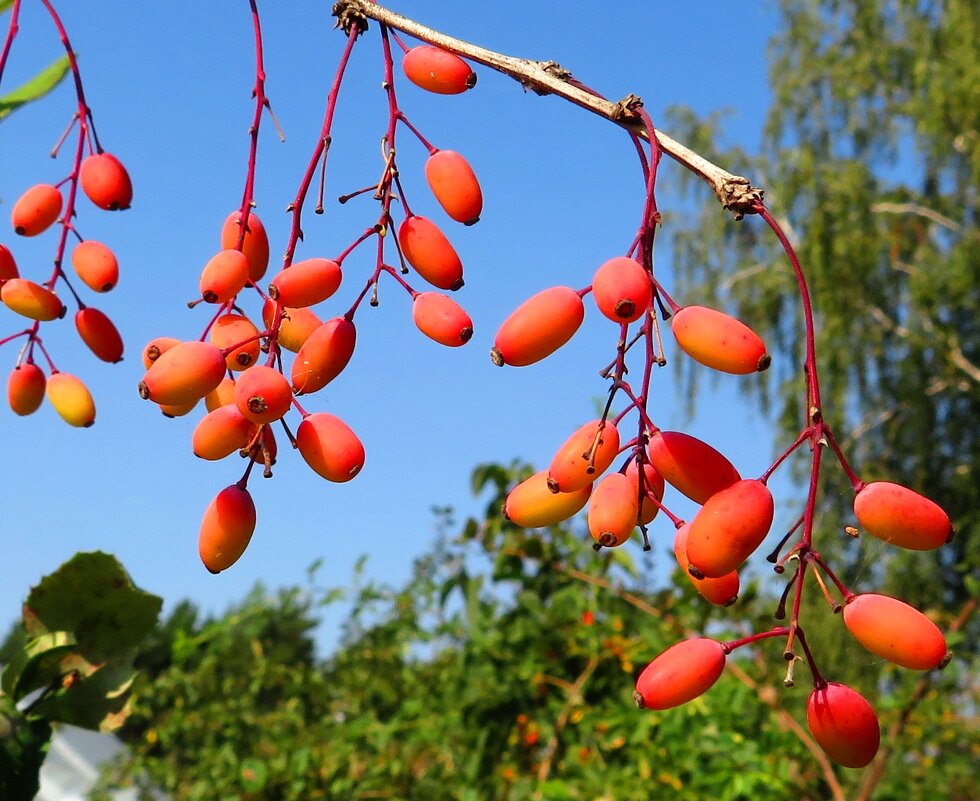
[532,505]
[96,265]
[442,319]
[71,399]
[455,186]
[31,300]
[719,341]
[538,327]
[622,290]
[100,334]
[652,490]
[844,724]
[437,70]
[25,389]
[226,529]
[721,591]
[681,673]
[895,631]
[263,394]
[224,276]
[426,248]
[689,465]
[186,372]
[221,433]
[330,447]
[898,515]
[571,468]
[306,283]
[221,395]
[324,355]
[256,244]
[8,266]
[729,527]
[297,325]
[233,329]
[613,509]
[105,182]
[36,210]
[155,348]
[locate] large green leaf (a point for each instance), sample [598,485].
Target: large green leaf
[38,86]
[36,665]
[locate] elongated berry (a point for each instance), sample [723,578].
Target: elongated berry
[96,265]
[613,509]
[297,325]
[25,388]
[256,243]
[584,456]
[155,348]
[224,276]
[36,210]
[538,327]
[531,504]
[324,355]
[106,183]
[622,289]
[330,447]
[221,433]
[689,465]
[306,283]
[31,300]
[438,70]
[898,515]
[234,329]
[729,527]
[650,494]
[895,631]
[681,673]
[178,409]
[844,724]
[186,372]
[455,186]
[71,399]
[442,319]
[722,590]
[263,394]
[221,395]
[719,341]
[426,248]
[226,529]
[8,266]
[100,334]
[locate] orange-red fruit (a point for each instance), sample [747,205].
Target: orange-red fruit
[221,433]
[306,283]
[895,631]
[226,529]
[31,300]
[224,276]
[96,265]
[36,209]
[71,399]
[231,329]
[729,527]
[721,591]
[263,394]
[538,327]
[266,438]
[532,505]
[652,491]
[155,348]
[583,457]
[221,395]
[8,267]
[187,371]
[898,515]
[689,465]
[442,319]
[329,447]
[452,181]
[296,327]
[719,341]
[178,409]
[430,253]
[106,183]
[622,290]
[613,509]
[438,70]
[256,244]
[844,724]
[324,355]
[25,388]
[681,673]
[100,334]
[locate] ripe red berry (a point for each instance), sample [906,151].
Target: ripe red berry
[25,388]
[442,319]
[538,327]
[31,300]
[36,210]
[234,329]
[263,394]
[455,186]
[722,590]
[100,334]
[844,724]
[719,341]
[96,265]
[895,631]
[224,276]
[613,510]
[426,248]
[689,465]
[8,267]
[183,373]
[330,447]
[324,355]
[622,290]
[729,527]
[438,70]
[681,673]
[531,504]
[105,181]
[256,244]
[226,529]
[584,456]
[898,515]
[306,283]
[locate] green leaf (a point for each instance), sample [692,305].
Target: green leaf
[38,86]
[5,4]
[253,775]
[99,701]
[36,665]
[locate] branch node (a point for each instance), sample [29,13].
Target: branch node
[626,109]
[350,16]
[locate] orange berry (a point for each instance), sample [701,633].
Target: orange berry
[532,505]
[306,283]
[438,70]
[652,492]
[324,355]
[426,248]
[256,244]
[221,433]
[100,334]
[452,181]
[226,529]
[584,457]
[187,371]
[898,515]
[538,327]
[689,465]
[296,327]
[844,724]
[895,631]
[231,329]
[106,183]
[265,438]
[719,341]
[681,673]
[729,527]
[155,348]
[36,210]
[8,267]
[71,399]
[442,319]
[722,590]
[221,395]
[224,276]
[96,265]
[613,509]
[329,447]
[178,409]
[31,300]
[622,290]
[25,388]
[263,394]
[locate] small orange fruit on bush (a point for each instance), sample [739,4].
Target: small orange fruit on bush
[155,348]
[719,341]
[729,527]
[306,283]
[263,394]
[185,372]
[426,248]
[330,447]
[689,465]
[438,70]
[31,300]
[71,399]
[681,673]
[232,329]
[297,325]
[8,266]
[221,433]
[442,319]
[256,244]
[324,355]
[25,388]
[224,276]
[613,509]
[895,631]
[898,515]
[721,591]
[455,186]
[106,183]
[844,724]
[584,456]
[622,289]
[36,210]
[531,504]
[226,529]
[100,334]
[96,265]
[538,327]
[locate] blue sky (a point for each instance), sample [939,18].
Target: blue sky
[169,86]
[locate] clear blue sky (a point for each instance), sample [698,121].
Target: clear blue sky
[169,86]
